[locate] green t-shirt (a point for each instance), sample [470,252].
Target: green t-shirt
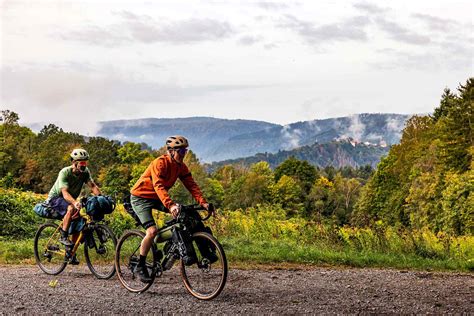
[73,183]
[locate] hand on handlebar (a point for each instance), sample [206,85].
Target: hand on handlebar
[209,208]
[174,210]
[77,205]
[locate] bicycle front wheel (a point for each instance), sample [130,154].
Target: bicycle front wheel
[206,279]
[49,252]
[127,255]
[99,250]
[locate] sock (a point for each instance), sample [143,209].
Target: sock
[64,233]
[142,260]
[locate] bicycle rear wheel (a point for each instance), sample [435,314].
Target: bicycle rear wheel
[127,255]
[100,253]
[206,279]
[49,252]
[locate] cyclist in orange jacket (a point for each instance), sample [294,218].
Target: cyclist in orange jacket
[151,192]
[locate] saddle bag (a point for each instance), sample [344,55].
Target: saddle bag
[43,210]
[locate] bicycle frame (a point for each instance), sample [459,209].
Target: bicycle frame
[78,240]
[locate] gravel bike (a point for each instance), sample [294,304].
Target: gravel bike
[204,279]
[99,241]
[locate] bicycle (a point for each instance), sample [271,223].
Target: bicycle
[204,280]
[99,241]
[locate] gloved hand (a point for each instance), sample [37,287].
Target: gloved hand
[174,210]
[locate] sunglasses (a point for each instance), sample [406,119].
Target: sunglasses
[182,151]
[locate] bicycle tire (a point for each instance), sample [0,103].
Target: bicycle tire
[47,252]
[130,242]
[109,247]
[191,274]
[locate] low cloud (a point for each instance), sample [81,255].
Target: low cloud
[355,130]
[291,136]
[350,29]
[145,29]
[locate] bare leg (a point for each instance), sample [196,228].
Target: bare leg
[67,217]
[148,240]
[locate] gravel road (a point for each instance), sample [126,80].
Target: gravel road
[26,290]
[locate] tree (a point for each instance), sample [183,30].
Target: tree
[9,117]
[131,153]
[52,155]
[213,191]
[424,181]
[16,147]
[251,188]
[115,181]
[289,195]
[103,153]
[448,100]
[304,173]
[320,198]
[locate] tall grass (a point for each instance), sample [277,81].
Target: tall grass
[264,234]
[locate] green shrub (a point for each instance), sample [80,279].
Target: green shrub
[17,218]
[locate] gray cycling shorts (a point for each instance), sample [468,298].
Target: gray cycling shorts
[143,207]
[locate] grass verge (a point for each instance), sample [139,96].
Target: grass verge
[253,253]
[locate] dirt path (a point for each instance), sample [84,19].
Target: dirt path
[25,290]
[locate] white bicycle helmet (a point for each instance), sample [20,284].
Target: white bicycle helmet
[79,154]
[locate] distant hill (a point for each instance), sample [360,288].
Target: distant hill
[335,153]
[215,139]
[208,136]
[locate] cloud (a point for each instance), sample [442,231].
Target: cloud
[144,29]
[400,33]
[60,93]
[395,126]
[395,30]
[370,8]
[107,37]
[273,6]
[433,60]
[355,130]
[269,46]
[249,40]
[291,136]
[435,23]
[350,29]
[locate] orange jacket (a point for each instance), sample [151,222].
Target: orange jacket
[160,176]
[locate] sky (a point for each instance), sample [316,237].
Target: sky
[78,62]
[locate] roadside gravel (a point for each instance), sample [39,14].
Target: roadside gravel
[26,290]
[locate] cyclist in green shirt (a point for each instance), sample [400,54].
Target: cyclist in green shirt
[67,188]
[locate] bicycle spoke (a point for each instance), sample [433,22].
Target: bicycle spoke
[100,251]
[49,252]
[206,279]
[126,261]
